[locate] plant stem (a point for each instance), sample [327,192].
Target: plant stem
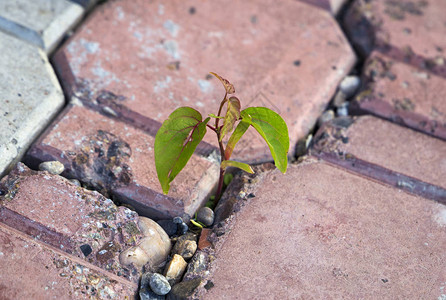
[220,187]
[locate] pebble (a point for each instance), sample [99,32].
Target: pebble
[205,215]
[197,266]
[186,246]
[145,293]
[54,167]
[349,85]
[159,284]
[169,226]
[175,269]
[75,182]
[339,99]
[153,248]
[182,227]
[325,117]
[343,110]
[184,289]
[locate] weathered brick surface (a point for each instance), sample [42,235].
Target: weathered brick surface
[404,94]
[42,23]
[321,232]
[406,70]
[30,96]
[31,270]
[387,152]
[398,27]
[115,158]
[156,56]
[54,211]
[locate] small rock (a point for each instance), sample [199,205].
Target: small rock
[182,228]
[349,85]
[339,99]
[153,248]
[186,245]
[184,289]
[54,167]
[75,182]
[159,284]
[145,293]
[169,226]
[343,110]
[205,215]
[325,117]
[197,266]
[175,269]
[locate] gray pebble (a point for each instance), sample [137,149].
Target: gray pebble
[339,99]
[325,117]
[177,220]
[75,182]
[349,85]
[205,215]
[159,284]
[343,110]
[145,293]
[54,167]
[182,228]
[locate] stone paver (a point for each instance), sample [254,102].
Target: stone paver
[407,69]
[155,56]
[320,232]
[58,213]
[31,270]
[30,96]
[118,159]
[40,22]
[387,152]
[415,27]
[404,94]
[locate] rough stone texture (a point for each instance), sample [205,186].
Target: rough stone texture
[340,236]
[408,95]
[42,23]
[118,159]
[32,270]
[398,28]
[30,96]
[54,211]
[162,57]
[379,143]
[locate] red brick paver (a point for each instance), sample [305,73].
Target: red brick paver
[156,56]
[31,270]
[62,215]
[116,158]
[407,69]
[387,152]
[320,232]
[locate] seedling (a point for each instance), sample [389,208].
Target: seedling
[180,134]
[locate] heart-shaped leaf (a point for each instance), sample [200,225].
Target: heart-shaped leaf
[176,141]
[230,163]
[232,115]
[274,131]
[228,86]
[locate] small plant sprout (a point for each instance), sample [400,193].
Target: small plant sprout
[180,134]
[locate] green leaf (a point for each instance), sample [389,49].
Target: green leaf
[230,163]
[228,86]
[232,115]
[236,135]
[198,224]
[274,131]
[227,178]
[176,141]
